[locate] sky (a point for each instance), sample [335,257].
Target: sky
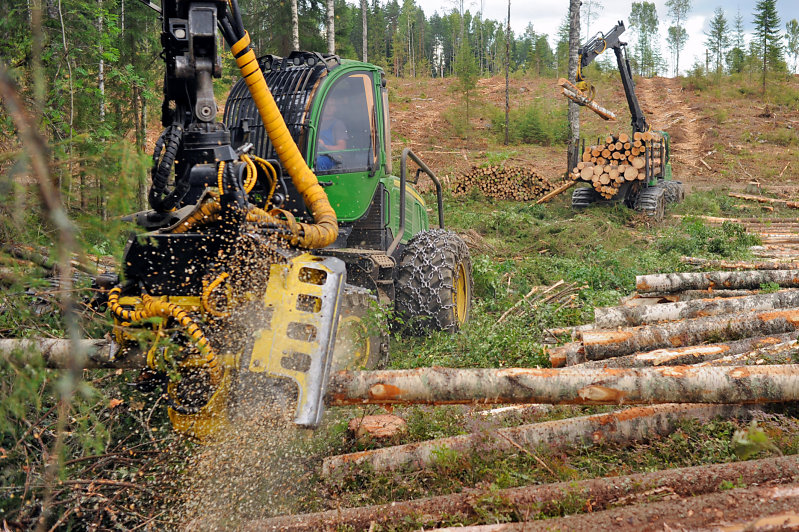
[546,17]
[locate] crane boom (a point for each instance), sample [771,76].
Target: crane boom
[595,47]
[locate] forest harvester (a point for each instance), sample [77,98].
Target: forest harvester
[254,275]
[658,188]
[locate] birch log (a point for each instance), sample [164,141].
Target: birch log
[739,265]
[624,426]
[693,354]
[529,500]
[691,295]
[599,345]
[676,282]
[608,317]
[59,352]
[731,510]
[674,384]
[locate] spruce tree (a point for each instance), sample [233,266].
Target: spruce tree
[718,39]
[767,35]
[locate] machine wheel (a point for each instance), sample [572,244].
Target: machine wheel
[652,202]
[584,197]
[359,344]
[675,192]
[434,282]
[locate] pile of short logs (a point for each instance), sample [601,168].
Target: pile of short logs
[620,159]
[520,183]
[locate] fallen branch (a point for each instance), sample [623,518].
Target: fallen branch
[610,317]
[674,384]
[599,345]
[624,426]
[601,492]
[676,282]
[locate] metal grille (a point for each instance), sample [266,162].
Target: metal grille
[292,88]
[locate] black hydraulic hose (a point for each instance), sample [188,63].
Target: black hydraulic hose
[227,30]
[164,155]
[238,26]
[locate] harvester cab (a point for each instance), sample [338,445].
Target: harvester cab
[651,194]
[273,232]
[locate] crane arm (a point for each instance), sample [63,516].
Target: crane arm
[595,47]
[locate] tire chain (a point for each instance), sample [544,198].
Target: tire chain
[675,192]
[651,201]
[425,277]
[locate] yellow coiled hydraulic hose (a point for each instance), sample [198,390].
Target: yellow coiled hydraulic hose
[324,231]
[156,308]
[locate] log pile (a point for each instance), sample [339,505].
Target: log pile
[606,166]
[520,183]
[659,327]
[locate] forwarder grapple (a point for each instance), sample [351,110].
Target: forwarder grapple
[273,232]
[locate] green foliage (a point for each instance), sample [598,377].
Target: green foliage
[767,37]
[533,124]
[750,441]
[718,40]
[695,238]
[644,21]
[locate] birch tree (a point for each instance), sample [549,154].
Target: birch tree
[574,44]
[677,35]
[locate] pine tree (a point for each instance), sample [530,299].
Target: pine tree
[767,36]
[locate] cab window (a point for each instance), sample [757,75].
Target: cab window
[346,137]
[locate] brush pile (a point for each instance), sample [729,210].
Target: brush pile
[620,159]
[520,183]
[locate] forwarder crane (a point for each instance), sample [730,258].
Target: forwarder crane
[658,189]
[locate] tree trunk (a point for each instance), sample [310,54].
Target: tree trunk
[739,265]
[687,295]
[295,26]
[610,317]
[331,27]
[574,45]
[623,426]
[675,384]
[728,510]
[507,79]
[364,19]
[693,354]
[58,353]
[599,345]
[603,493]
[676,282]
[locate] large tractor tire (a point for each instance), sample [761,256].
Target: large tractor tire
[359,343]
[582,198]
[652,202]
[434,282]
[675,192]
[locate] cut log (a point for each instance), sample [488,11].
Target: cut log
[380,427]
[692,295]
[714,511]
[783,353]
[675,384]
[60,353]
[559,190]
[739,265]
[587,173]
[624,137]
[693,354]
[610,317]
[676,282]
[581,99]
[631,173]
[624,426]
[529,500]
[599,345]
[763,199]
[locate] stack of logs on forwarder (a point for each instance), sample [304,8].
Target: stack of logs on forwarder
[520,183]
[620,159]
